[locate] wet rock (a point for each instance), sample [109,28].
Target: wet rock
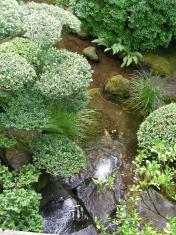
[118,86]
[105,160]
[90,230]
[158,64]
[17,158]
[90,53]
[42,182]
[155,208]
[62,213]
[94,91]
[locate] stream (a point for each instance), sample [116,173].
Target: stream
[71,208]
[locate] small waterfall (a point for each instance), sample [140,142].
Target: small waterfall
[62,213]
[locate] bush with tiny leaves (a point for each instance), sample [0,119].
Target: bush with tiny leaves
[139,24]
[159,125]
[19,203]
[15,71]
[10,18]
[25,111]
[23,47]
[19,210]
[43,23]
[68,73]
[57,155]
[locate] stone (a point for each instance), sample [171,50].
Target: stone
[17,158]
[118,86]
[61,212]
[42,182]
[159,65]
[155,208]
[104,159]
[90,53]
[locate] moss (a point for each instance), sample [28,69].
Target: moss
[158,64]
[118,86]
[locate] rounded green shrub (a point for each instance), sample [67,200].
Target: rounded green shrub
[21,46]
[64,73]
[26,111]
[159,125]
[43,23]
[10,18]
[15,71]
[138,24]
[57,155]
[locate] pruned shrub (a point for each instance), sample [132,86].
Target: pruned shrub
[23,47]
[15,71]
[57,155]
[159,125]
[139,25]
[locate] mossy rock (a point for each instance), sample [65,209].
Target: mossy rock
[17,158]
[159,65]
[94,91]
[118,86]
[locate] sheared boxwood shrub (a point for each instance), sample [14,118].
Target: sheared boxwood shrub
[139,24]
[161,124]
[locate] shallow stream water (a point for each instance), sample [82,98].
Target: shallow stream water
[73,207]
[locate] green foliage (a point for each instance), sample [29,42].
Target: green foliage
[129,57]
[124,21]
[10,18]
[161,124]
[6,177]
[43,23]
[6,142]
[28,175]
[15,71]
[63,123]
[158,171]
[60,3]
[57,155]
[128,222]
[23,47]
[103,184]
[75,102]
[144,94]
[70,124]
[25,111]
[19,204]
[64,73]
[19,210]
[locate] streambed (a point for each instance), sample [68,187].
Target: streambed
[73,206]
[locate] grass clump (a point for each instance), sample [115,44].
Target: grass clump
[144,94]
